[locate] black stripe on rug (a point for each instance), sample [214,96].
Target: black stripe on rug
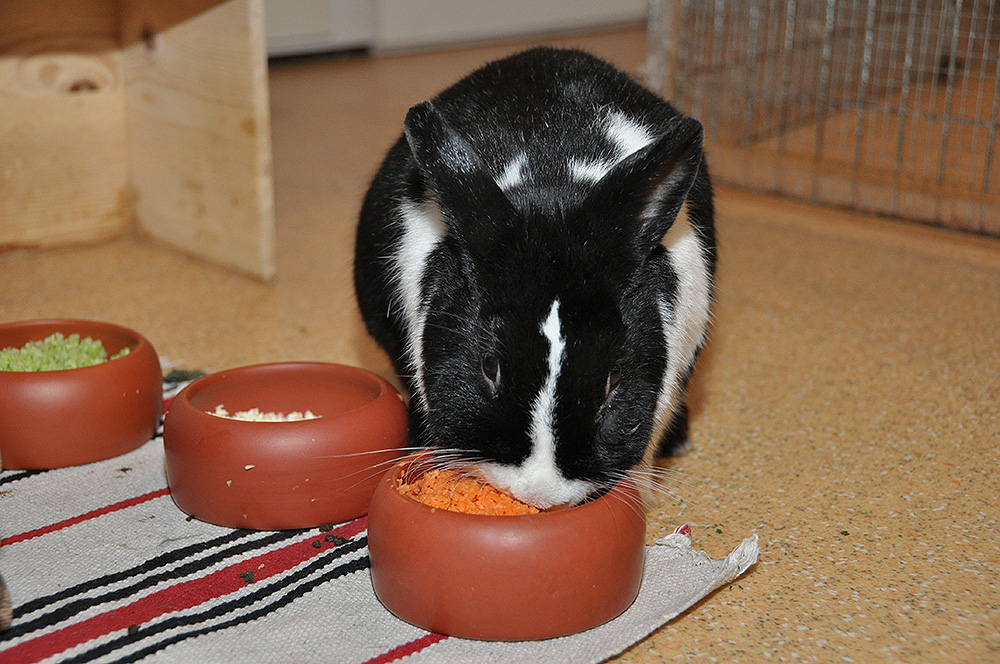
[294,584]
[229,541]
[9,476]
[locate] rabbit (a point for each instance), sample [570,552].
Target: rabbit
[537,254]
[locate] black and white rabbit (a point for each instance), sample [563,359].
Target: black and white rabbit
[536,254]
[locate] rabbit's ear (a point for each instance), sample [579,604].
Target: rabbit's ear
[639,199]
[475,208]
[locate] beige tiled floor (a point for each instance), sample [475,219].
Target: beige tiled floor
[847,408]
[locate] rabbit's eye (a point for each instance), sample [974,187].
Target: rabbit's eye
[491,369]
[614,377]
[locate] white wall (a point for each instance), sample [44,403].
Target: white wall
[300,26]
[419,23]
[304,26]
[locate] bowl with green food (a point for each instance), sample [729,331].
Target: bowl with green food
[75,391]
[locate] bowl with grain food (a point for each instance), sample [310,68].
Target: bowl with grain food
[74,392]
[456,556]
[282,445]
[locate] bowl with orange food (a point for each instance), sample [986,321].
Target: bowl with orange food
[454,555]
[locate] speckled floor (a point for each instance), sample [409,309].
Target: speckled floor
[847,409]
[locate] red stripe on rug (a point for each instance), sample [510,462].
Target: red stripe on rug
[406,649]
[177,597]
[59,525]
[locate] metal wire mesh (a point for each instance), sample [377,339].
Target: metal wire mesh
[888,106]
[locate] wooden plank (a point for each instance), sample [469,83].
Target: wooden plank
[29,27]
[63,176]
[198,127]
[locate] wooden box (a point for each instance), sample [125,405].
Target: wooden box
[137,115]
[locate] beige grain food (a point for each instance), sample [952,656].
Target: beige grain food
[255,415]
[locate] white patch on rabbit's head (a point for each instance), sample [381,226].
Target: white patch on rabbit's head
[589,171]
[513,173]
[628,136]
[537,480]
[625,137]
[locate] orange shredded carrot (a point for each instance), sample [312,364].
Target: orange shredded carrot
[450,490]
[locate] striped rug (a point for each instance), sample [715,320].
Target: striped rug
[103,567]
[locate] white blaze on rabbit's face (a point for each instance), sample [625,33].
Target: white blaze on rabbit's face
[538,480]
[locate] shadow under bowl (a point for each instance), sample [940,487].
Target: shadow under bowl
[505,578]
[282,475]
[54,419]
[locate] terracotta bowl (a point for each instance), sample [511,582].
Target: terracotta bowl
[506,578]
[53,419]
[278,475]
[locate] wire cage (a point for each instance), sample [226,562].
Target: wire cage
[886,106]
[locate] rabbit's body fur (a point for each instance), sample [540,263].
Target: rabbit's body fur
[536,254]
